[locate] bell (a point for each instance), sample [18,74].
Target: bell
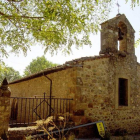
[120,38]
[120,34]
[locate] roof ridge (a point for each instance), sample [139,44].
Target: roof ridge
[60,67]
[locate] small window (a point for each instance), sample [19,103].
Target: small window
[123,92]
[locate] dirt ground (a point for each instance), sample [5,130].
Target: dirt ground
[32,129]
[128,137]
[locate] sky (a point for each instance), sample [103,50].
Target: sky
[20,62]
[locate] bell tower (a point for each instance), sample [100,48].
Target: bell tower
[117,35]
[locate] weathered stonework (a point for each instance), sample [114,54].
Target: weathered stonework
[4,107]
[109,35]
[100,95]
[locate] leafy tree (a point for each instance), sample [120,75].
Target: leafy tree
[38,64]
[9,73]
[133,3]
[56,24]
[2,69]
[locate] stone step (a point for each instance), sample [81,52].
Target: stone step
[88,139]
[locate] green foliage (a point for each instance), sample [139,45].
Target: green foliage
[9,73]
[137,43]
[56,24]
[133,3]
[2,67]
[38,64]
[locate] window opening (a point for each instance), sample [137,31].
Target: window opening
[123,92]
[118,45]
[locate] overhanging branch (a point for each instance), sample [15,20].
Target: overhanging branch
[23,16]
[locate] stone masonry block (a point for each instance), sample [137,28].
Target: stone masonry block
[79,81]
[90,105]
[2,108]
[78,113]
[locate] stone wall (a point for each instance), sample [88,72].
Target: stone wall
[124,116]
[94,88]
[138,76]
[4,107]
[63,83]
[97,96]
[92,95]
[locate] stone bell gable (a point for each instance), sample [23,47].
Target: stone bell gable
[117,34]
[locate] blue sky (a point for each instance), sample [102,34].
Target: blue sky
[133,15]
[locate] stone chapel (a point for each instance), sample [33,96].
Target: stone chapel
[104,87]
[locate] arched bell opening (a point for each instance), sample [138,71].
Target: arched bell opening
[122,37]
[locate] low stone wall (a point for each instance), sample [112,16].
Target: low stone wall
[21,132]
[4,114]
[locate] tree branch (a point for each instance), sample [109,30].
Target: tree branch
[11,3]
[22,16]
[2,13]
[15,0]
